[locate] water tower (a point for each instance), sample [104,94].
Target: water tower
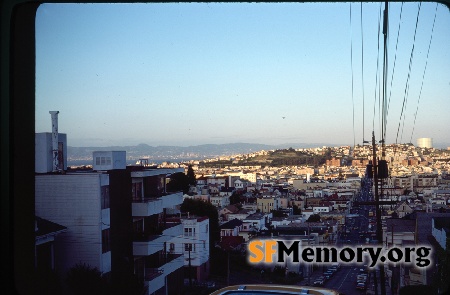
[425,142]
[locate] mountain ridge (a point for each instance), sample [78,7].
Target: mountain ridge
[193,151]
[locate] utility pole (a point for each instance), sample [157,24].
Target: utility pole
[190,274]
[378,212]
[228,267]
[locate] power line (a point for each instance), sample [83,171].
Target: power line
[362,69]
[423,76]
[393,67]
[351,65]
[385,70]
[377,71]
[407,80]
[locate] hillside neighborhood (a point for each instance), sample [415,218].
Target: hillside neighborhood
[174,226]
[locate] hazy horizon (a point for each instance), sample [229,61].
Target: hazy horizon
[187,74]
[438,145]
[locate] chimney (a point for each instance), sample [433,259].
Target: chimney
[55,139]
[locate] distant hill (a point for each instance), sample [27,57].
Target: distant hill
[182,153]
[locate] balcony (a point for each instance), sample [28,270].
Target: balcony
[152,273]
[173,229]
[146,207]
[172,199]
[154,205]
[145,245]
[152,241]
[155,276]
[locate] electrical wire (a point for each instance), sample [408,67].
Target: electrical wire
[385,69]
[362,69]
[393,67]
[423,76]
[407,80]
[351,65]
[377,71]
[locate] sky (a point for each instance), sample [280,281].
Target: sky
[271,73]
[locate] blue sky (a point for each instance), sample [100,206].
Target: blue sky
[273,73]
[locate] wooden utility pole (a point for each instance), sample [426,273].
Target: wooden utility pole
[378,212]
[190,274]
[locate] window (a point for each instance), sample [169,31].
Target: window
[189,232]
[105,196]
[136,191]
[102,160]
[190,247]
[106,241]
[172,247]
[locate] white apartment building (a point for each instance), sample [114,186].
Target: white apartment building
[321,209]
[193,245]
[80,202]
[220,201]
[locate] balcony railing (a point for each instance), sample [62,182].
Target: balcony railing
[172,199]
[162,262]
[155,278]
[147,236]
[148,206]
[149,244]
[152,273]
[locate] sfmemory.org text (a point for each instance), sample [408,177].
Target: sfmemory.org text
[276,251]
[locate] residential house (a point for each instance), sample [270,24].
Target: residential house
[220,201]
[231,228]
[193,245]
[402,209]
[268,204]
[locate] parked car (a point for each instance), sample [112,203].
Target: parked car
[360,281]
[318,283]
[327,274]
[361,286]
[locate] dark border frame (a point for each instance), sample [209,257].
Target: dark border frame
[17,117]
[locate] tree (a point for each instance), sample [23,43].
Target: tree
[314,218]
[178,182]
[191,176]
[48,282]
[201,208]
[128,284]
[278,213]
[296,210]
[235,198]
[83,279]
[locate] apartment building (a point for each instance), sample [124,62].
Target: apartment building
[194,246]
[266,205]
[114,216]
[161,271]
